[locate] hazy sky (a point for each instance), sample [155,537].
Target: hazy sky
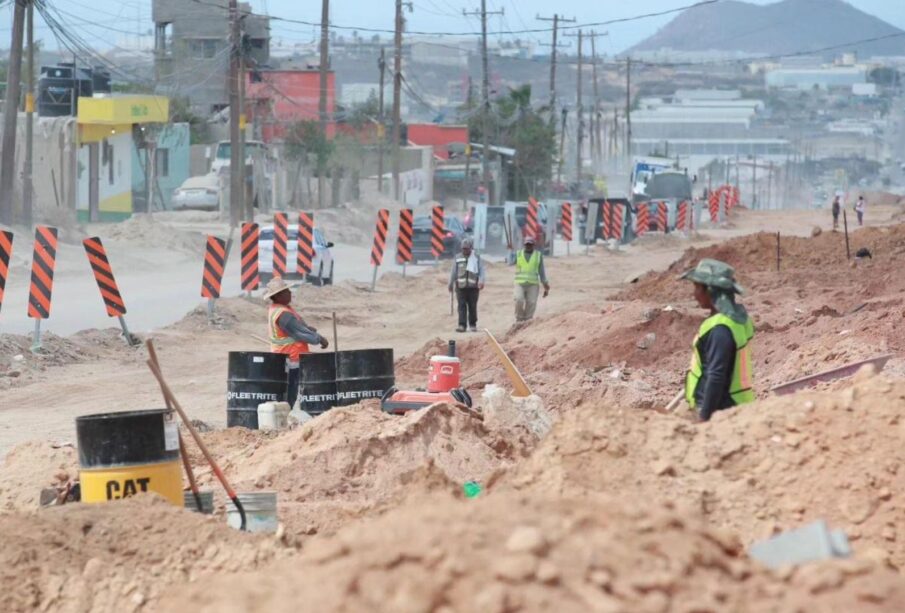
[114,20]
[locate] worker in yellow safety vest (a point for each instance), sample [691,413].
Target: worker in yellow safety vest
[720,375]
[529,276]
[289,334]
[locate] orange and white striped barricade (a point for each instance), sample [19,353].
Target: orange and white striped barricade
[618,227]
[380,241]
[532,225]
[683,217]
[40,292]
[405,238]
[642,219]
[250,277]
[713,205]
[6,252]
[567,226]
[305,245]
[280,242]
[106,283]
[438,227]
[212,271]
[662,217]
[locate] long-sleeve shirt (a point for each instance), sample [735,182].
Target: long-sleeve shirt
[717,350]
[454,269]
[298,329]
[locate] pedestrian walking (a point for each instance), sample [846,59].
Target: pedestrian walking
[529,276]
[467,279]
[859,209]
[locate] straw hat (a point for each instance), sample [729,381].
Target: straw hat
[275,286]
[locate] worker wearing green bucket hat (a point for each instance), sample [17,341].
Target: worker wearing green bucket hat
[720,375]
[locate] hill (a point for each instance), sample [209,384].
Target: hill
[785,27]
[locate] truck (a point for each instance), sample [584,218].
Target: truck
[260,166]
[643,169]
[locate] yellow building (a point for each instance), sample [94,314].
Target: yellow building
[106,150]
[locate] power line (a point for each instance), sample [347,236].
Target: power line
[489,33]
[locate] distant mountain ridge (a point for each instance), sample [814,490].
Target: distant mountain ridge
[786,27]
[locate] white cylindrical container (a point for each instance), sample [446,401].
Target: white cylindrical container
[260,512]
[273,415]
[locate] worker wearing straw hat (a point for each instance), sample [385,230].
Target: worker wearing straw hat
[720,376]
[289,334]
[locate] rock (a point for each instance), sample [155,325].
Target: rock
[527,539]
[515,568]
[649,314]
[647,342]
[664,468]
[18,357]
[548,573]
[816,231]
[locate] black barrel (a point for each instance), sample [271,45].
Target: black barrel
[363,374]
[253,378]
[317,390]
[123,454]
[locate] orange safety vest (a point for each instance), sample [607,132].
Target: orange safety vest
[280,342]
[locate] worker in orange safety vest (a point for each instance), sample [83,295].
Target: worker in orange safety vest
[289,334]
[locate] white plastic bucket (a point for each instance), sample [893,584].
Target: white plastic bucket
[273,415]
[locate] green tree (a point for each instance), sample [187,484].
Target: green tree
[181,112]
[513,123]
[308,146]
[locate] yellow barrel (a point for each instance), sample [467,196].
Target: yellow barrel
[124,454]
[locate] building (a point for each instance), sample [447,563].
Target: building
[192,49]
[820,78]
[109,129]
[275,99]
[438,136]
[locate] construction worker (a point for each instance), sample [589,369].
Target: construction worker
[720,376]
[467,278]
[289,334]
[529,275]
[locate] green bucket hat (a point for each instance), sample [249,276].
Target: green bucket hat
[714,274]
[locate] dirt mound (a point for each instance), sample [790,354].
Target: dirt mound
[30,467]
[770,466]
[358,460]
[756,253]
[524,553]
[116,557]
[20,366]
[142,230]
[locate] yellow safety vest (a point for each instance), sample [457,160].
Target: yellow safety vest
[741,389]
[527,271]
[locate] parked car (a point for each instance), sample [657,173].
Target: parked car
[454,233]
[321,265]
[197,193]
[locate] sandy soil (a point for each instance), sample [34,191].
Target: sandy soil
[371,506]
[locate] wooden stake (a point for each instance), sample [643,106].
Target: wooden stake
[171,400]
[520,387]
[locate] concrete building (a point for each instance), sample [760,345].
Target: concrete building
[275,99]
[821,78]
[192,49]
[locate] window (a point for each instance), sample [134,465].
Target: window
[163,162]
[107,160]
[203,47]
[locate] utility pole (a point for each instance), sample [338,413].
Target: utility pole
[754,185]
[236,159]
[322,104]
[248,200]
[397,92]
[485,100]
[562,142]
[579,122]
[381,126]
[628,108]
[556,19]
[28,186]
[10,114]
[595,115]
